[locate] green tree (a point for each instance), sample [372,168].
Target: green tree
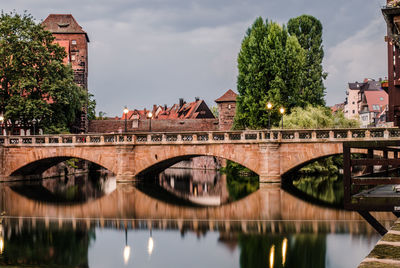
[308,31]
[34,81]
[91,107]
[315,117]
[270,65]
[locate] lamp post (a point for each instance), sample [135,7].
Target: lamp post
[149,116]
[269,107]
[126,118]
[1,125]
[282,111]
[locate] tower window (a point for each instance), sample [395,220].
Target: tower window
[73,42]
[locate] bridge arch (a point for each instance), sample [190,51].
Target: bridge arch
[34,162]
[157,160]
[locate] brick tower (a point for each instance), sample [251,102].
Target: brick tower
[226,109]
[70,35]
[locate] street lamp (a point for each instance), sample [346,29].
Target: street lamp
[269,107]
[126,118]
[149,116]
[282,111]
[1,125]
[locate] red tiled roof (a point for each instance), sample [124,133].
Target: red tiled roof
[227,97]
[187,111]
[63,23]
[375,99]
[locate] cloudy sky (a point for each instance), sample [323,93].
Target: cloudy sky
[145,52]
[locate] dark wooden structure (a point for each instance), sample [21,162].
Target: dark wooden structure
[392,17]
[375,189]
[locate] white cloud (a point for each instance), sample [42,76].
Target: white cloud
[360,56]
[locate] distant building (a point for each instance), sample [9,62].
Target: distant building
[337,107]
[372,107]
[192,116]
[351,106]
[226,109]
[192,110]
[70,35]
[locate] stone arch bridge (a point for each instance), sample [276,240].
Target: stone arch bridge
[269,153]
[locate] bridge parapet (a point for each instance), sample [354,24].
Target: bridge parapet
[248,136]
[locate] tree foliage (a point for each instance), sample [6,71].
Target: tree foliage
[314,117]
[308,31]
[34,81]
[275,67]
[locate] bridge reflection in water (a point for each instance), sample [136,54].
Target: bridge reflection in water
[268,226]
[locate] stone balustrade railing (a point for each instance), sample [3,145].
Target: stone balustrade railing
[259,136]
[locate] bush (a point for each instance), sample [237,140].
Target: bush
[314,117]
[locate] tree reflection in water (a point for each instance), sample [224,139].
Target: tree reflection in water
[274,250]
[47,247]
[320,180]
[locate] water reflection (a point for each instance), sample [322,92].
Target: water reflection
[117,243]
[199,187]
[67,189]
[267,228]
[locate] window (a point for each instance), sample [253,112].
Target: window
[73,42]
[229,106]
[354,102]
[354,112]
[381,98]
[72,57]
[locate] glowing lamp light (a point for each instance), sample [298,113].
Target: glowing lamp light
[150,246]
[150,115]
[127,254]
[269,106]
[284,249]
[282,110]
[271,256]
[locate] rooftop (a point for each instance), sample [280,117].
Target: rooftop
[63,23]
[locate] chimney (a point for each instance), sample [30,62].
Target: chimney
[154,107]
[197,99]
[180,102]
[165,107]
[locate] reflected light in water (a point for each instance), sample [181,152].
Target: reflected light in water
[1,239]
[150,245]
[127,253]
[271,256]
[284,248]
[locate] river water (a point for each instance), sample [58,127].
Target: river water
[181,218]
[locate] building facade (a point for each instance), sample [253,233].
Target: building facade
[70,35]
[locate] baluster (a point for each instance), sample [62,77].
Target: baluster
[386,134]
[331,135]
[296,136]
[314,135]
[367,134]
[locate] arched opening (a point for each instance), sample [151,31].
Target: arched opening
[62,180]
[197,180]
[319,180]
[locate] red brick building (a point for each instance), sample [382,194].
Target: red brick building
[226,109]
[70,35]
